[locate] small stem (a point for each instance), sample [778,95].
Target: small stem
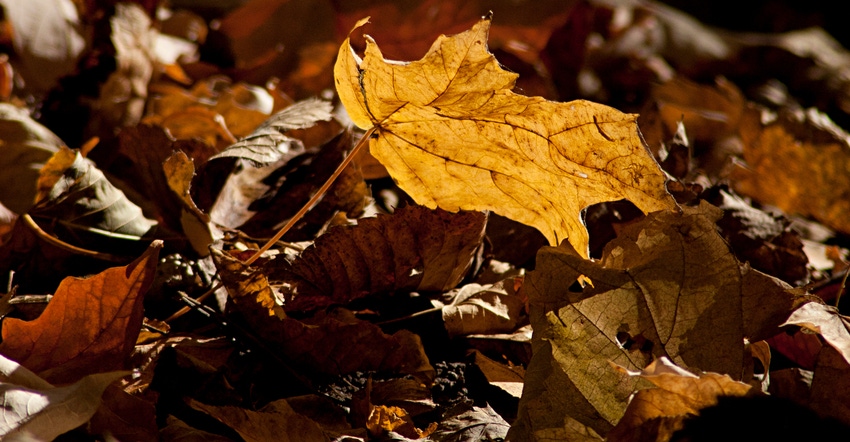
[364,141]
[843,286]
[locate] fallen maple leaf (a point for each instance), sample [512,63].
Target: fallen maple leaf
[89,326]
[453,135]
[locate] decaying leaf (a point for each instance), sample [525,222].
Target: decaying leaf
[34,410]
[678,394]
[453,135]
[797,161]
[121,101]
[667,286]
[471,424]
[90,326]
[414,249]
[47,40]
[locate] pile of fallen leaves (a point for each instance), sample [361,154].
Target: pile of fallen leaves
[585,220]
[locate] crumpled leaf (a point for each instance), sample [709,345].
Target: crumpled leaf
[414,249]
[121,101]
[827,322]
[80,203]
[334,342]
[275,421]
[259,201]
[453,135]
[798,162]
[471,424]
[667,286]
[34,410]
[89,326]
[268,143]
[678,394]
[493,308]
[25,145]
[179,171]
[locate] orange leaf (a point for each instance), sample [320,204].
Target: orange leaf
[90,326]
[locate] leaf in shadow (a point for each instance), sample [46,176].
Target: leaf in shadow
[333,343]
[275,421]
[147,147]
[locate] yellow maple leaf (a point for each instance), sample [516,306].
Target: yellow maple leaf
[453,135]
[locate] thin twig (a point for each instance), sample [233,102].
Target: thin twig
[199,299]
[364,141]
[841,289]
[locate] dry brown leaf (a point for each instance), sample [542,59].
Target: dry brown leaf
[678,394]
[413,249]
[797,161]
[80,205]
[213,109]
[667,286]
[260,201]
[90,326]
[121,101]
[492,308]
[453,135]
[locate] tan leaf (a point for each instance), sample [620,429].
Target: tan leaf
[494,308]
[81,204]
[90,326]
[37,410]
[667,286]
[827,322]
[453,135]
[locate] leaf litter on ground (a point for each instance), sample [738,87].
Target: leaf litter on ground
[350,309]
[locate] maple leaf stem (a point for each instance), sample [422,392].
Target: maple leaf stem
[364,141]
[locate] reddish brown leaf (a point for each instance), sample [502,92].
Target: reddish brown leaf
[413,249]
[90,326]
